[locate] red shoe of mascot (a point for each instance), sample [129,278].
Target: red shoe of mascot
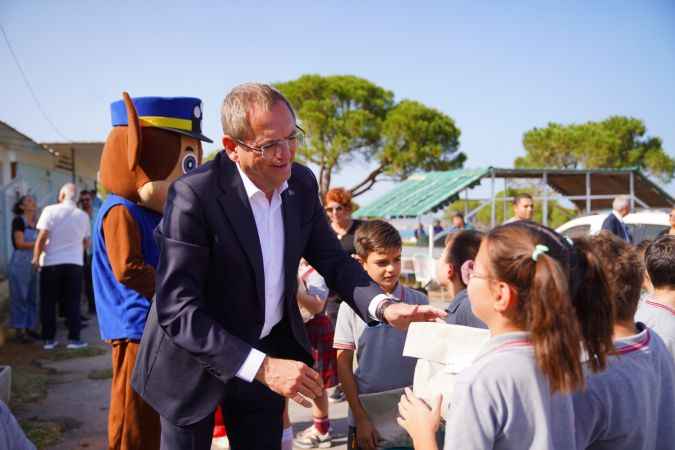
[154,140]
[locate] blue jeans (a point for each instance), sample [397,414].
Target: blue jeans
[22,290]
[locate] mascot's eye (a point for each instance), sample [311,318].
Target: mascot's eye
[189,163]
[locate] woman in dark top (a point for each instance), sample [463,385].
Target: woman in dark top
[22,276]
[338,206]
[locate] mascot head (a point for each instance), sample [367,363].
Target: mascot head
[154,140]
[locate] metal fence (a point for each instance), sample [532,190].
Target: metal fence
[43,188]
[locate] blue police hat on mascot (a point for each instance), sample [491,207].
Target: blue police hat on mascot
[182,115]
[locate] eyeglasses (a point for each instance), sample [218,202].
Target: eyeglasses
[471,271]
[334,209]
[271,148]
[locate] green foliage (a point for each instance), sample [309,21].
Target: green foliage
[210,156]
[557,214]
[347,116]
[617,142]
[418,137]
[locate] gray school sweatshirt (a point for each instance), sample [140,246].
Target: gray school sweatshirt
[631,405]
[503,402]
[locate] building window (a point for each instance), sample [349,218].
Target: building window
[13,169]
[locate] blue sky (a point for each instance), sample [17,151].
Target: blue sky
[497,68]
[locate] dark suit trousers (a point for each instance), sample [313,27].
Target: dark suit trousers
[251,411]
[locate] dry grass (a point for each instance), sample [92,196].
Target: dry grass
[62,353]
[29,384]
[102,374]
[42,433]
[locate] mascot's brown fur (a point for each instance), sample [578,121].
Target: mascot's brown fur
[138,164]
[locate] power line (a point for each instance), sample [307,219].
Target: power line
[30,88]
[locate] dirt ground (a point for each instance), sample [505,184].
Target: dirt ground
[60,397]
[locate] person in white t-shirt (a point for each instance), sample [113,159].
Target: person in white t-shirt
[63,234]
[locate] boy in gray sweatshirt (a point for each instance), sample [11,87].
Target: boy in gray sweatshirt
[658,309]
[631,405]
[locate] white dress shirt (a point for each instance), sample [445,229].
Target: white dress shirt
[269,223]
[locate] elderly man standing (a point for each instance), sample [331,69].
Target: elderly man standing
[225,326]
[614,222]
[63,234]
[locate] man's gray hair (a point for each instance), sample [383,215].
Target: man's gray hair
[234,114]
[68,192]
[620,202]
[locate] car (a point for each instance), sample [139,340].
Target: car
[643,224]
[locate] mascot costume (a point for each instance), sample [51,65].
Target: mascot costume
[154,140]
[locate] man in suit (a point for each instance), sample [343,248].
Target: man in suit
[614,221]
[225,327]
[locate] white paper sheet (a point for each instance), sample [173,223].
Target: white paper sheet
[442,351]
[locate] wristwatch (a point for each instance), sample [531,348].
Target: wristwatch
[379,312]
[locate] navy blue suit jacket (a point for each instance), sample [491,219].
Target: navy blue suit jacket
[615,226]
[210,304]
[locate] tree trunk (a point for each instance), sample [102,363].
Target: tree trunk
[368,182]
[324,180]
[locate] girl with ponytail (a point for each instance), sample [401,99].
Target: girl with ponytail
[531,288]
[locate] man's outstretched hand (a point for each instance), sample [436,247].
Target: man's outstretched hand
[291,379]
[399,315]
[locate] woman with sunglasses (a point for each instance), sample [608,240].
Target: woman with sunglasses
[338,206]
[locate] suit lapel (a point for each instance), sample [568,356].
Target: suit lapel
[291,216]
[237,209]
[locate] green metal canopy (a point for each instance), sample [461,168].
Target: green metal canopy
[422,193]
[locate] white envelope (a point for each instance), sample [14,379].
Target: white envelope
[442,351]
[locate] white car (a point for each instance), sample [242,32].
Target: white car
[643,224]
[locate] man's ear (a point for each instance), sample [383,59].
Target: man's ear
[358,258]
[230,147]
[451,272]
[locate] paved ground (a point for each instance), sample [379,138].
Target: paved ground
[82,403]
[302,418]
[75,399]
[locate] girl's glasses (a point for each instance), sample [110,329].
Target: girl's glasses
[469,271]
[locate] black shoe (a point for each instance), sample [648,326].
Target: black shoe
[33,334]
[20,337]
[84,318]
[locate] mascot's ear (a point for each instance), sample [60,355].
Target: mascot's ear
[133,133]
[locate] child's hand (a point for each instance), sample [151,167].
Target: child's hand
[417,419]
[366,436]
